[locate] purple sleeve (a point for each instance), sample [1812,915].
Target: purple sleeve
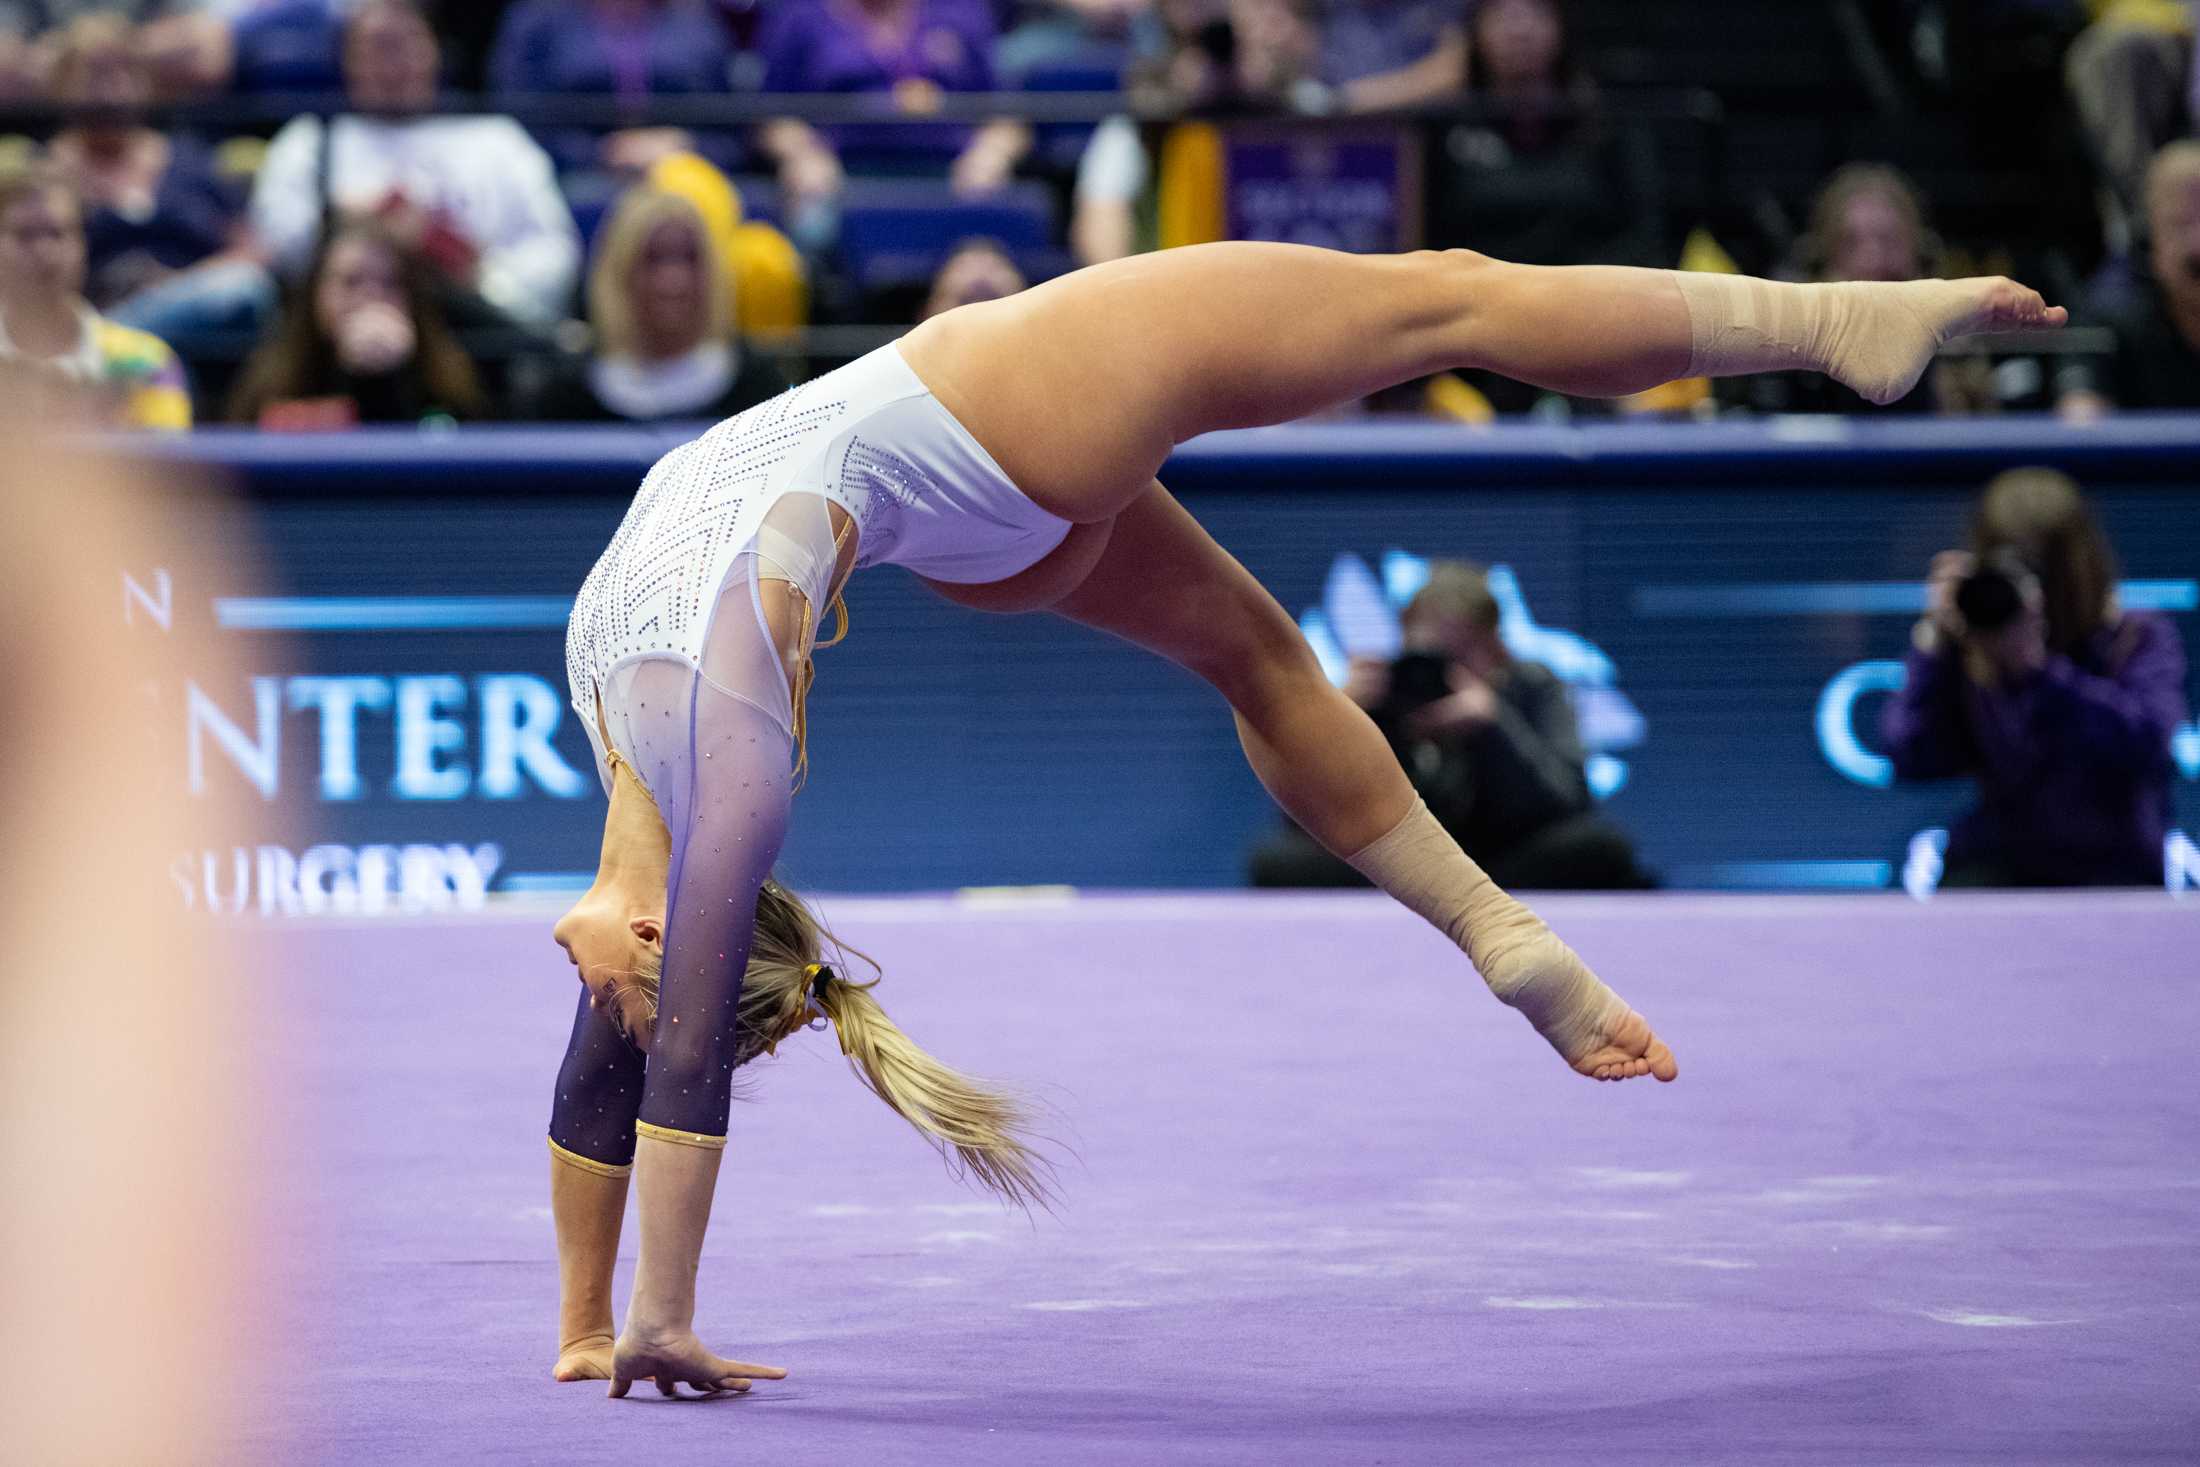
[517,63]
[2124,717]
[1924,726]
[526,61]
[979,35]
[785,44]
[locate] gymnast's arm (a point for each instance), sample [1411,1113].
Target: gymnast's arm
[718,740]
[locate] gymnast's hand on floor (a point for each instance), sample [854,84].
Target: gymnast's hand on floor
[677,1357]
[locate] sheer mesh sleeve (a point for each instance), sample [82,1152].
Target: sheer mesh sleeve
[714,745]
[716,761]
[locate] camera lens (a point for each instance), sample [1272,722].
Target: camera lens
[1989,599]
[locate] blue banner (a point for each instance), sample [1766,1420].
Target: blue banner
[1728,606]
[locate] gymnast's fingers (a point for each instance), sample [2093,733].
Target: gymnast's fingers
[669,1385]
[619,1384]
[723,1368]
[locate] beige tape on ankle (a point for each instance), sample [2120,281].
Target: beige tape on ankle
[1876,336]
[1738,323]
[1522,960]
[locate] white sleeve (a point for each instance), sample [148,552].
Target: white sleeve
[286,197]
[1113,168]
[531,250]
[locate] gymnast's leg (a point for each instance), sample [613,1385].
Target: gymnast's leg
[1163,584]
[1080,387]
[591,1156]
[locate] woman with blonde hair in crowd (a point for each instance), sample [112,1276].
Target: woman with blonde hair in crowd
[662,299]
[53,345]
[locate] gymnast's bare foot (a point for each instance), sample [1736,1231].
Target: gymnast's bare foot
[1629,1051]
[1885,338]
[586,1358]
[676,1357]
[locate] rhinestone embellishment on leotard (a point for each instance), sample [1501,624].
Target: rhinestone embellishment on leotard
[650,589]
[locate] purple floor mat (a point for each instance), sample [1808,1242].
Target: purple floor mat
[1928,1190]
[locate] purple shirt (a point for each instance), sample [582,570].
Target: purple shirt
[824,46]
[678,48]
[2073,764]
[1363,38]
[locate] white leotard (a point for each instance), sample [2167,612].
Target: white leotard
[746,501]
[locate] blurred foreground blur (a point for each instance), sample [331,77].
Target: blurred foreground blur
[130,1224]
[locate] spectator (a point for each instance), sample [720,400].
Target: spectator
[2156,363]
[2133,78]
[1112,174]
[474,195]
[629,49]
[1538,175]
[1278,58]
[1231,55]
[914,50]
[362,340]
[277,46]
[1191,55]
[1181,54]
[2025,674]
[977,270]
[1489,742]
[1540,178]
[1386,55]
[184,42]
[468,29]
[1867,222]
[57,348]
[1046,32]
[663,303]
[153,204]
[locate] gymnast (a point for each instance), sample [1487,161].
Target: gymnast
[1005,452]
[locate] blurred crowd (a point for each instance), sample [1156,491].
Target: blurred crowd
[313,213]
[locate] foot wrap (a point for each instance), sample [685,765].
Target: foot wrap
[1875,337]
[1522,960]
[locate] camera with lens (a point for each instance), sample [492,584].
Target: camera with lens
[1993,595]
[1417,679]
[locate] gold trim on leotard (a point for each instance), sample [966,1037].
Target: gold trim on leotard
[679,1138]
[587,1164]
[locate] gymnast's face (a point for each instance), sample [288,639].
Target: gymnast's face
[608,947]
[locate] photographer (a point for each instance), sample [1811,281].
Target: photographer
[1488,741]
[2025,673]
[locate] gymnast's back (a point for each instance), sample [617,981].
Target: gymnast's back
[677,596]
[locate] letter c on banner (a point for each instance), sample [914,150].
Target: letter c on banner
[1837,721]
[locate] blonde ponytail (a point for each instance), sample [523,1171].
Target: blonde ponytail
[975,1127]
[980,1130]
